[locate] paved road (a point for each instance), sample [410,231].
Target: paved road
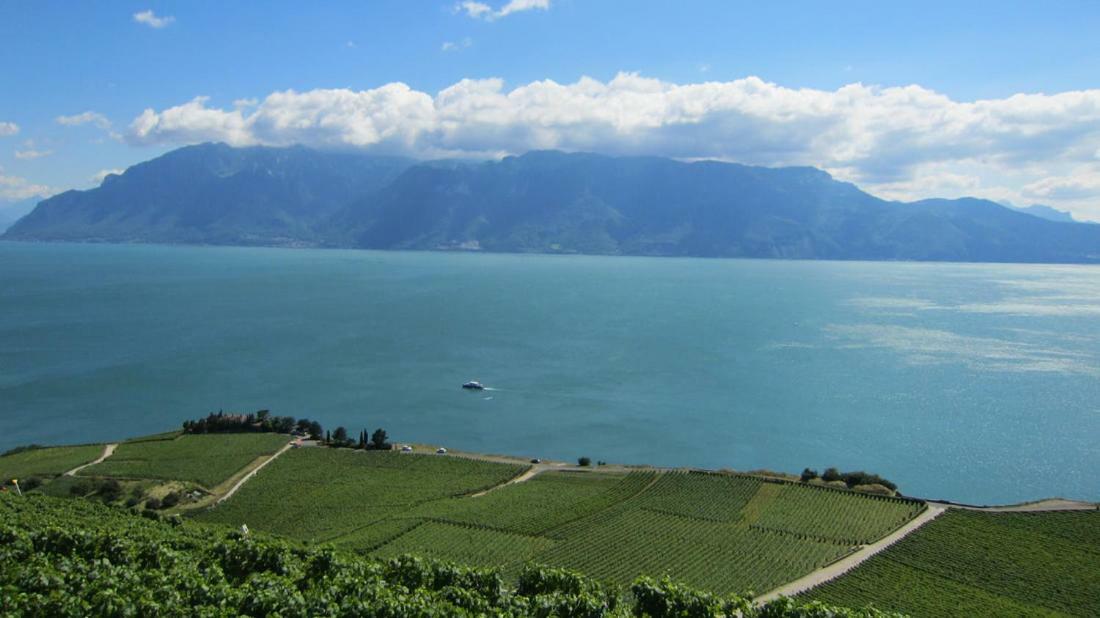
[108,450]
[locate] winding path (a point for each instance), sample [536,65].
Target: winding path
[108,450]
[842,566]
[245,478]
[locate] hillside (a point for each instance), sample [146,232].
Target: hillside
[544,201]
[213,194]
[979,563]
[320,521]
[77,558]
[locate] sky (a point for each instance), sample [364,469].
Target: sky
[999,100]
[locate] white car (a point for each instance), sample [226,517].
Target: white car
[406,449]
[441,451]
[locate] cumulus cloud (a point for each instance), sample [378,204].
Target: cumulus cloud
[149,18]
[8,128]
[906,142]
[480,10]
[88,117]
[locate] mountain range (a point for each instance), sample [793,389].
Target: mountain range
[543,201]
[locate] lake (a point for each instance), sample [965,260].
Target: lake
[970,382]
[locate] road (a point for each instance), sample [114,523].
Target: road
[108,450]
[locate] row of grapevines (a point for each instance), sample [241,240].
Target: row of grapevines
[76,558]
[1041,562]
[844,517]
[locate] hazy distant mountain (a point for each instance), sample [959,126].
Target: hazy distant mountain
[1045,212]
[10,212]
[556,202]
[539,202]
[213,193]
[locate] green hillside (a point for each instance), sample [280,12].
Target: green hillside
[967,563]
[719,532]
[78,558]
[45,462]
[204,459]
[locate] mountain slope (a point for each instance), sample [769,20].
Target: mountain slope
[213,193]
[540,202]
[556,202]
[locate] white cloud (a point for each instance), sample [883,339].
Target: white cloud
[17,188]
[455,46]
[480,10]
[31,153]
[474,9]
[905,142]
[8,128]
[1084,183]
[149,18]
[97,178]
[88,117]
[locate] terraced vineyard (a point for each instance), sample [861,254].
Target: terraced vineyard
[317,494]
[967,563]
[725,533]
[45,462]
[204,459]
[62,557]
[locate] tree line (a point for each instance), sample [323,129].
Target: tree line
[851,479]
[261,421]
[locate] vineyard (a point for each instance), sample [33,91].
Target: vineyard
[204,459]
[46,462]
[78,558]
[317,494]
[720,532]
[974,563]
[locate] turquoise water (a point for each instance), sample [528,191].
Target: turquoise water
[968,382]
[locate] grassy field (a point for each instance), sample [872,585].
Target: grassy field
[967,563]
[724,533]
[47,461]
[204,459]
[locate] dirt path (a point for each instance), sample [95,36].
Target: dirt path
[844,565]
[244,479]
[108,450]
[1050,504]
[526,476]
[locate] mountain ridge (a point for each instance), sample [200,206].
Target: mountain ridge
[541,201]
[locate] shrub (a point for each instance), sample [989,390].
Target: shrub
[584,461]
[153,504]
[830,475]
[170,500]
[808,474]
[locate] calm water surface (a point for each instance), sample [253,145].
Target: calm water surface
[978,383]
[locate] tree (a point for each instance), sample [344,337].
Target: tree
[808,474]
[315,430]
[584,461]
[340,436]
[328,437]
[830,475]
[378,438]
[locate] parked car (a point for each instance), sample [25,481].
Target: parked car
[536,460]
[441,451]
[405,448]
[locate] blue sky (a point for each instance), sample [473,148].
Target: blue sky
[907,100]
